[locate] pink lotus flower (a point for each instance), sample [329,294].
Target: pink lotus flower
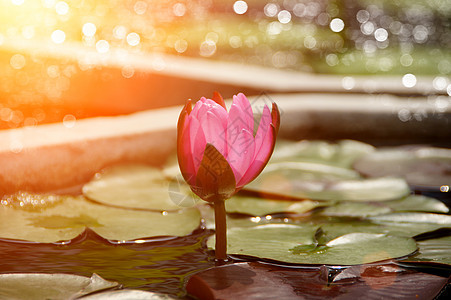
[218,152]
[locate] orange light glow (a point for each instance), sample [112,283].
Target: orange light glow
[63,59]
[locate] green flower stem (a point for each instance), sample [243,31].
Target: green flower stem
[221,230]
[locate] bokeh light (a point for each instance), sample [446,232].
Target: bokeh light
[58,36]
[240,7]
[140,7]
[102,46]
[284,16]
[69,121]
[181,46]
[120,32]
[337,25]
[409,80]
[89,29]
[61,8]
[271,9]
[380,34]
[133,39]
[207,48]
[179,9]
[348,83]
[440,83]
[17,61]
[346,38]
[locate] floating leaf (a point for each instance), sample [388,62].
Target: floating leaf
[410,203]
[72,215]
[130,225]
[434,250]
[421,166]
[275,241]
[418,203]
[29,286]
[354,209]
[25,224]
[413,217]
[309,171]
[261,206]
[133,186]
[128,294]
[341,154]
[287,183]
[337,228]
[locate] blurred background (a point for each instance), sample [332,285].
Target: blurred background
[72,59]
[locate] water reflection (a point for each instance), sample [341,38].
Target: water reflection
[158,267]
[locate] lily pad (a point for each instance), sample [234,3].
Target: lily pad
[425,167]
[296,244]
[341,154]
[399,224]
[411,218]
[70,216]
[287,183]
[133,186]
[418,203]
[337,228]
[128,295]
[310,171]
[260,206]
[355,209]
[29,286]
[412,203]
[434,250]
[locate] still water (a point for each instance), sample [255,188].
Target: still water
[157,266]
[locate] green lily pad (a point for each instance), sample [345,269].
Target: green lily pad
[418,203]
[68,217]
[411,203]
[29,286]
[399,224]
[133,186]
[297,244]
[309,171]
[355,209]
[421,166]
[261,206]
[412,218]
[434,250]
[128,295]
[341,154]
[287,183]
[337,228]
